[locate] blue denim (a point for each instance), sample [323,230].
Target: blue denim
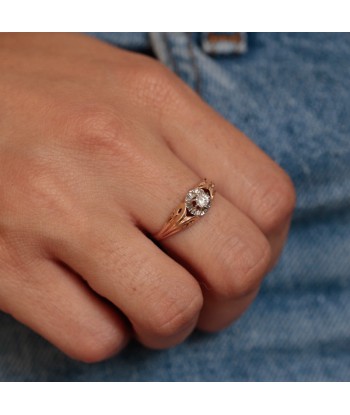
[290,93]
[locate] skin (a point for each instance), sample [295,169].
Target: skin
[97,146]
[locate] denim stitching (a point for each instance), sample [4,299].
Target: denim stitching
[196,74]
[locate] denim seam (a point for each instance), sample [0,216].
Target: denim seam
[196,76]
[173,62]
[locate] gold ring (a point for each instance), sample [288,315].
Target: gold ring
[195,205]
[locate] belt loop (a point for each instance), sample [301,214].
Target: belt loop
[224,43]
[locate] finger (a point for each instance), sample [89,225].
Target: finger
[213,148]
[159,297]
[242,172]
[250,179]
[224,250]
[229,255]
[58,305]
[218,315]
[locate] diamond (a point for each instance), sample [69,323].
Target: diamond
[197,201]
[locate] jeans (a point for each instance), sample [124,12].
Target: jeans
[290,93]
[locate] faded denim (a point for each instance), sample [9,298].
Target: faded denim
[290,93]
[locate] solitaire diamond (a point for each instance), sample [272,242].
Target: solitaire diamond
[197,201]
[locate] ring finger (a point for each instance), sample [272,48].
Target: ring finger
[225,251]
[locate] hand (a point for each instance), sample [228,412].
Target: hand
[97,147]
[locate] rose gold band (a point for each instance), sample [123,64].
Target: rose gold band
[196,204]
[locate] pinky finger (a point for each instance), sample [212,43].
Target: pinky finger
[57,304]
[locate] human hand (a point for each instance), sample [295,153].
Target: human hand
[97,147]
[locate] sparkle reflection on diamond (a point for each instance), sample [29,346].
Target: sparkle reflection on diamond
[197,201]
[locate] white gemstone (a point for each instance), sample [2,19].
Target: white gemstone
[197,201]
[202,199]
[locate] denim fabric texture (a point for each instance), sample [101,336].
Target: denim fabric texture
[290,93]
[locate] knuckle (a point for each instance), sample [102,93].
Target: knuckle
[243,268]
[100,132]
[49,199]
[40,190]
[174,317]
[44,194]
[276,204]
[149,77]
[155,85]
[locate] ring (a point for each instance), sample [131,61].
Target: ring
[195,205]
